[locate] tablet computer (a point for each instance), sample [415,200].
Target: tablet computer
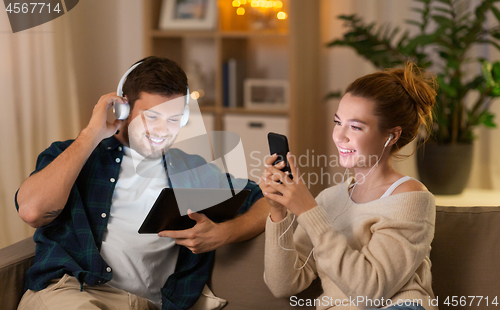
[166,214]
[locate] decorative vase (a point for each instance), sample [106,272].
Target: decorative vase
[444,168]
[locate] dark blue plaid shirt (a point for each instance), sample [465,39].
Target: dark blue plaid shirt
[71,243]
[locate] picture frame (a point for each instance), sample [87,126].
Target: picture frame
[266,94]
[188,15]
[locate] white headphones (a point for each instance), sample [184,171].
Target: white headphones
[121,111]
[391,136]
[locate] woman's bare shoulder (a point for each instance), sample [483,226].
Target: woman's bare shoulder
[410,186]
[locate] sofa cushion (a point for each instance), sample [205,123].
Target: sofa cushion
[465,255]
[238,277]
[14,261]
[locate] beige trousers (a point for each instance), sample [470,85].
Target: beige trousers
[65,294]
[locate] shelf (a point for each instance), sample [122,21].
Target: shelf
[254,112]
[217,34]
[207,109]
[253,34]
[242,111]
[183,33]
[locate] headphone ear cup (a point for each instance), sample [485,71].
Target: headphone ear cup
[185,116]
[121,110]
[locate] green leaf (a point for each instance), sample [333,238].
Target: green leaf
[418,10]
[495,72]
[496,12]
[453,63]
[347,17]
[332,95]
[414,23]
[443,21]
[486,68]
[443,86]
[475,83]
[495,44]
[487,119]
[446,11]
[394,32]
[495,92]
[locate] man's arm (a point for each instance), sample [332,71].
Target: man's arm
[42,197]
[207,236]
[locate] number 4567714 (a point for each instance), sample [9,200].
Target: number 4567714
[31,8]
[474,300]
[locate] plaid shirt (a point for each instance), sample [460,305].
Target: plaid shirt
[71,243]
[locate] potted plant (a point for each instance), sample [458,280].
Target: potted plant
[447,30]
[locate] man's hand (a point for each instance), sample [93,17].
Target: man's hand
[205,236]
[98,126]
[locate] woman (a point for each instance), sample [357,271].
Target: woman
[368,240]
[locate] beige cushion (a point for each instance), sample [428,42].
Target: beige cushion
[208,301]
[238,277]
[465,254]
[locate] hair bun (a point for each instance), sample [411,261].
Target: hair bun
[403,97]
[421,88]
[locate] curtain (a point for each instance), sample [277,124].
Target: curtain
[38,106]
[342,65]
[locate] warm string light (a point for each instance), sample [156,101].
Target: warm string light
[261,5]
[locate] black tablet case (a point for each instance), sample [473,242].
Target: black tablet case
[165,214]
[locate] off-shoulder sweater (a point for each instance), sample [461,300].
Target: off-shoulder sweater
[367,255]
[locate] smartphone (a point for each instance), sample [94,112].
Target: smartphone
[278,144]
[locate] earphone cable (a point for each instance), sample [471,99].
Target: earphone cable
[294,250]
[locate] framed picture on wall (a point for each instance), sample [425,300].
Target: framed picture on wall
[266,94]
[188,15]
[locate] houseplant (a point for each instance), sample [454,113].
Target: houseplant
[447,31]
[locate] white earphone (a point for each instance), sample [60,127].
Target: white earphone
[391,136]
[122,110]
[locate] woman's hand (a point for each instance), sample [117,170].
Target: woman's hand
[278,211]
[293,194]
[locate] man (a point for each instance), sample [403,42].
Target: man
[86,200]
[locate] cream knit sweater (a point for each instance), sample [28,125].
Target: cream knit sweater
[368,255]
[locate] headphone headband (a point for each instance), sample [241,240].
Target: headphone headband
[119,90]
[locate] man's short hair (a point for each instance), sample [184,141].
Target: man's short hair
[156,76]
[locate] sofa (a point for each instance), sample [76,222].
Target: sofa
[465,259]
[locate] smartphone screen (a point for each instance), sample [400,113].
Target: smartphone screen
[279,144]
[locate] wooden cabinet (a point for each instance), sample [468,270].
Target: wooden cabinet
[290,51]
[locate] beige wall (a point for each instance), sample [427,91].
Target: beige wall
[107,38]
